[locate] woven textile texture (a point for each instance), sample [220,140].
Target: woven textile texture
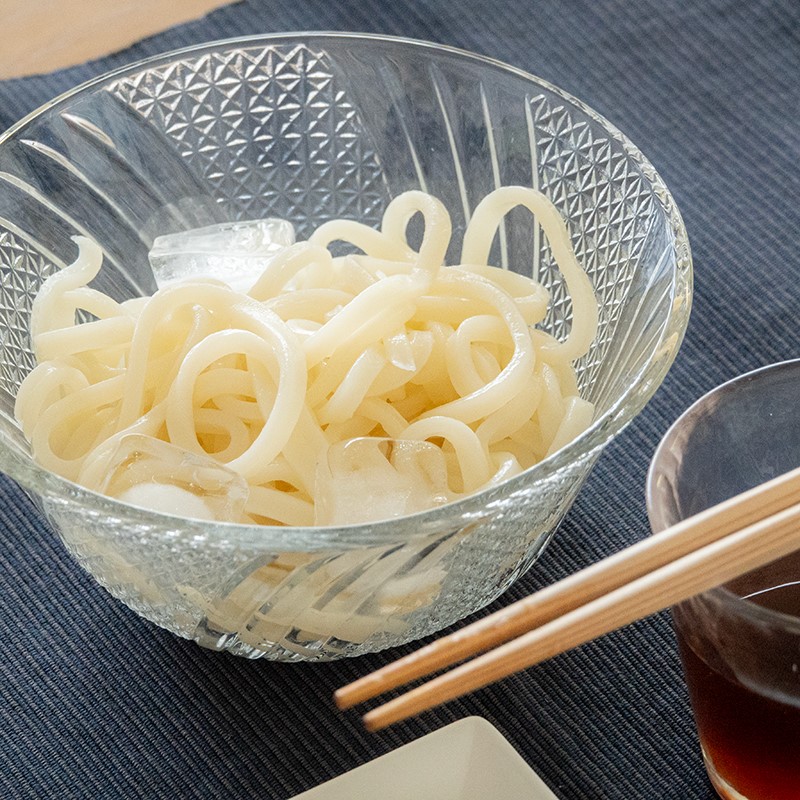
[98,703]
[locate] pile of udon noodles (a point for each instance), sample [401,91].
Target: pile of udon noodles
[322,350]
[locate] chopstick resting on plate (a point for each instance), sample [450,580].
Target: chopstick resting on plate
[699,553]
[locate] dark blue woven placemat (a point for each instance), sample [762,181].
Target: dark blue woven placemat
[97,703]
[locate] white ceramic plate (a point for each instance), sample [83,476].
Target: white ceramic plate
[468,760]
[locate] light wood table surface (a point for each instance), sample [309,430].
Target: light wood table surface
[44,35]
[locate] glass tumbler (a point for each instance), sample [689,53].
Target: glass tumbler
[739,643]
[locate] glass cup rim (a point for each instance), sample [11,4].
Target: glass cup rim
[620,412]
[740,606]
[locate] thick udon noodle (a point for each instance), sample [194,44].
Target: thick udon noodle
[322,349]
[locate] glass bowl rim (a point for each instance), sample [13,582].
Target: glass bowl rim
[603,429]
[740,606]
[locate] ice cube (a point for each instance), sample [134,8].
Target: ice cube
[233,252]
[155,474]
[167,498]
[369,478]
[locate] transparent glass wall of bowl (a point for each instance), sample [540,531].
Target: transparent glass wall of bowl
[311,130]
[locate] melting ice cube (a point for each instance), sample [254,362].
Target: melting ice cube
[233,252]
[367,479]
[154,474]
[169,499]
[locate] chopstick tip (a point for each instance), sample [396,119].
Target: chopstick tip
[373,722]
[343,699]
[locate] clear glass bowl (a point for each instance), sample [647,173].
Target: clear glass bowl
[311,127]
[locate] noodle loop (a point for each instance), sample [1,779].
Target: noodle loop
[385,342]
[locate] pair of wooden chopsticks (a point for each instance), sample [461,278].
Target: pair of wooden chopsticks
[704,551]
